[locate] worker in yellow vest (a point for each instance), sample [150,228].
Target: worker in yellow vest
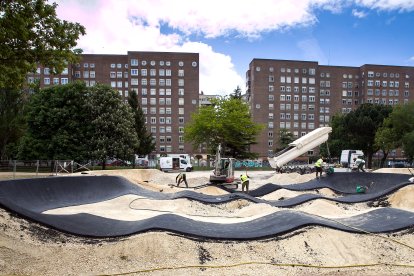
[245,182]
[318,167]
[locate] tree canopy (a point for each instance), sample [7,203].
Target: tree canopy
[285,138]
[31,33]
[146,141]
[401,123]
[357,129]
[78,123]
[227,122]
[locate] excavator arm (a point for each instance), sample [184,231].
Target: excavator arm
[301,146]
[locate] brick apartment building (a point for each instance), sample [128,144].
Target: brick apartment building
[301,96]
[167,85]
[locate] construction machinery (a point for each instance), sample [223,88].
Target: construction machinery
[299,147]
[223,173]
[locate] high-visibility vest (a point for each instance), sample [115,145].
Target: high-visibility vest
[244,178]
[319,162]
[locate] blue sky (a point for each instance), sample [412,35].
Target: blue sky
[229,34]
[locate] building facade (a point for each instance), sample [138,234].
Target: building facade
[301,96]
[167,85]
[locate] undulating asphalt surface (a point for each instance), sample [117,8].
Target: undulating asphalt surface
[30,197]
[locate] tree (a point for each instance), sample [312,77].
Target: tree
[227,122]
[237,93]
[11,122]
[285,138]
[74,122]
[146,141]
[401,122]
[361,125]
[386,139]
[337,139]
[56,126]
[31,33]
[111,129]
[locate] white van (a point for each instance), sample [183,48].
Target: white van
[347,157]
[174,164]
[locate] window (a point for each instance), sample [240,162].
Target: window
[144,82]
[46,81]
[181,91]
[181,73]
[134,62]
[143,72]
[180,82]
[92,74]
[180,101]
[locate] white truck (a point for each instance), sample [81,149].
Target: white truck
[175,164]
[347,157]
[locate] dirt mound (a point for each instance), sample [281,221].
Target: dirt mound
[403,198]
[289,178]
[395,170]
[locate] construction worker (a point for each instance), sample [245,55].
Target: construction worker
[318,167]
[181,177]
[359,162]
[245,182]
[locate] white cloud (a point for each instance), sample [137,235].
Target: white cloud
[115,27]
[401,5]
[359,14]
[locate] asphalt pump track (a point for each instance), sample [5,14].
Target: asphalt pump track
[30,198]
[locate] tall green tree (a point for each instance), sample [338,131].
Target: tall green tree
[361,125]
[78,123]
[337,139]
[111,128]
[227,122]
[237,93]
[11,122]
[401,121]
[146,141]
[31,33]
[56,126]
[386,139]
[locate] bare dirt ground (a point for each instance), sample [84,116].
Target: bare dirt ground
[27,248]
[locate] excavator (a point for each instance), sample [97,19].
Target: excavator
[223,173]
[223,169]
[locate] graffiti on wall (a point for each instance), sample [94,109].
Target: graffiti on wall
[240,164]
